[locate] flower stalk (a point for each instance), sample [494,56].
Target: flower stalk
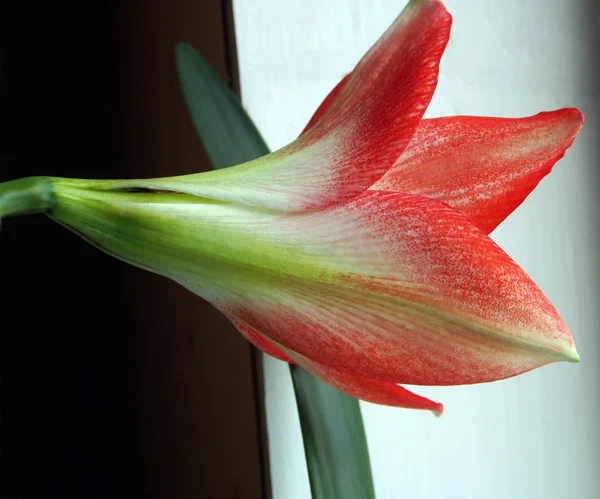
[26,196]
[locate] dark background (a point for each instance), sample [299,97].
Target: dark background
[113,382]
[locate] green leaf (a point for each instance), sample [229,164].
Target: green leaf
[334,440]
[227,133]
[332,428]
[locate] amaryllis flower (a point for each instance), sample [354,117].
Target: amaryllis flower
[360,251]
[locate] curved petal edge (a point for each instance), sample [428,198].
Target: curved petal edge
[483,167]
[365,129]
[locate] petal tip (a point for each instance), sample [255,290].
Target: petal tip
[571,118]
[570,354]
[437,5]
[574,116]
[567,353]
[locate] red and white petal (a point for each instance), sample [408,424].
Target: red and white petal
[482,167]
[390,286]
[258,340]
[369,390]
[355,142]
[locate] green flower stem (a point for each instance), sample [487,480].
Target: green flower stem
[25,196]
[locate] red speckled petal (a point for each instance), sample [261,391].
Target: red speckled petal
[369,390]
[483,167]
[390,286]
[258,340]
[350,147]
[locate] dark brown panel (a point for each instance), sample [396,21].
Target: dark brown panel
[200,425]
[113,382]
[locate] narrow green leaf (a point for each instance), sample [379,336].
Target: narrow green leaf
[332,428]
[227,133]
[334,440]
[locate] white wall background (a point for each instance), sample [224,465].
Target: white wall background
[535,436]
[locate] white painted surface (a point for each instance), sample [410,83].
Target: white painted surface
[535,436]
